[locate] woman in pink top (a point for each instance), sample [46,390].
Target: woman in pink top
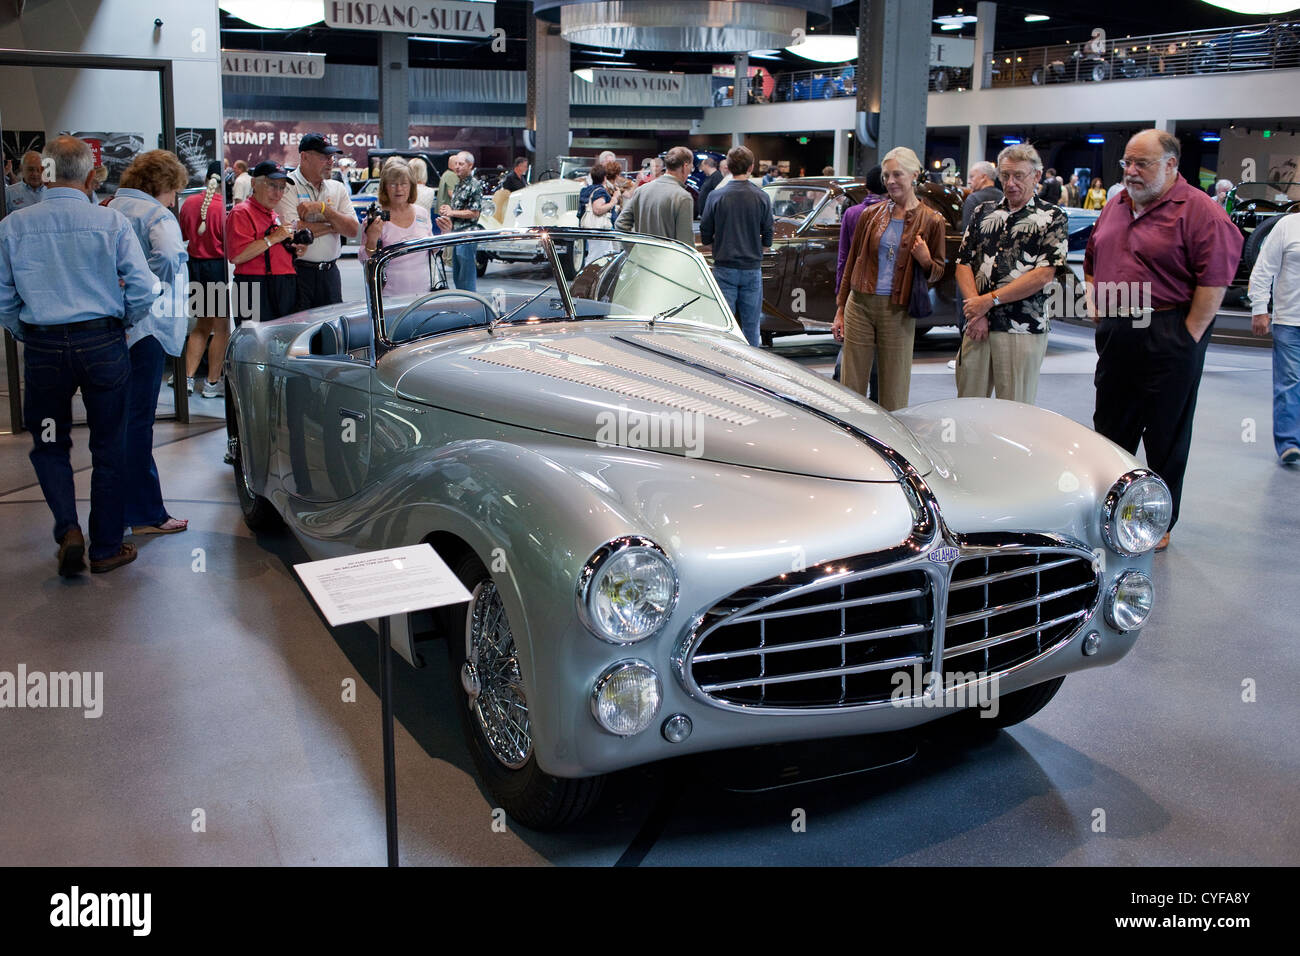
[406,275]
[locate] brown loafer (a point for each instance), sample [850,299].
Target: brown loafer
[72,553]
[125,556]
[1164,543]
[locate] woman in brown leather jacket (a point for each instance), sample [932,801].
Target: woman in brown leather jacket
[895,244]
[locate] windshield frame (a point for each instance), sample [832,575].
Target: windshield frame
[374,293]
[827,193]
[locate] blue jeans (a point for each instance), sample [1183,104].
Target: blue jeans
[464,270]
[58,360]
[141,493]
[743,290]
[1286,387]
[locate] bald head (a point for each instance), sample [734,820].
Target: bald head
[31,169]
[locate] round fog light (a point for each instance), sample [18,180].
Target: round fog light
[625,700]
[1128,602]
[1091,644]
[677,728]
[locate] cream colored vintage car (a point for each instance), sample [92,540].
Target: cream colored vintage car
[550,203]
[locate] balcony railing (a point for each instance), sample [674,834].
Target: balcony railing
[1265,46]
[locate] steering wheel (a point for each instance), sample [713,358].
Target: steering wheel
[492,312]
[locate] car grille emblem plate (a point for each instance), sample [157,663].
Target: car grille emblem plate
[944,555]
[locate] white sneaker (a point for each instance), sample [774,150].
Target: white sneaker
[189,385]
[213,389]
[952,364]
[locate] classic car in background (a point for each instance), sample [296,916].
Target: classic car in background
[590,456]
[1255,208]
[552,202]
[799,269]
[1270,46]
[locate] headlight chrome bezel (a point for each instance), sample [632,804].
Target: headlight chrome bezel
[548,210]
[598,561]
[1111,505]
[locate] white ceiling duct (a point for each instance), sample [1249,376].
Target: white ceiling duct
[279,15]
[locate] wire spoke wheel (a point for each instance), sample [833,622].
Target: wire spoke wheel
[501,706]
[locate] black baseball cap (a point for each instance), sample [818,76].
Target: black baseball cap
[316,143]
[269,169]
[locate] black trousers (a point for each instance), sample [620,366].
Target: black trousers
[1147,380]
[317,286]
[262,298]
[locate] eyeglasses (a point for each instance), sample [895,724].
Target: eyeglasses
[1020,177]
[1142,164]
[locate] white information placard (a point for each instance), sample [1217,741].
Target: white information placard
[380,584]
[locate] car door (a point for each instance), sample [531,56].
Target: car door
[323,442]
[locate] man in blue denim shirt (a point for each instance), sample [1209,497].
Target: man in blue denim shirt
[72,278]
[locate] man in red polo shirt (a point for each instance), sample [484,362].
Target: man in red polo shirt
[1159,260]
[266,283]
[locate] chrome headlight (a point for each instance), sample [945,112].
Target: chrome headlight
[548,209]
[626,590]
[489,209]
[1128,602]
[1136,513]
[625,700]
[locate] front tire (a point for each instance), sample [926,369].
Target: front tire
[493,707]
[259,514]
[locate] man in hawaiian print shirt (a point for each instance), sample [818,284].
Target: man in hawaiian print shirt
[466,202]
[1007,258]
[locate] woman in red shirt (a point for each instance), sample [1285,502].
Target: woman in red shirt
[203,225]
[266,283]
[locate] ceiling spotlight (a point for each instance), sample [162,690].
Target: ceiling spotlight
[1255,7]
[284,15]
[1036,17]
[951,26]
[826,49]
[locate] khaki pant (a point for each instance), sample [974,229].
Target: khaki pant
[1007,362]
[875,327]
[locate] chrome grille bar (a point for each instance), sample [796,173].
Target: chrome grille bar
[992,640]
[1007,575]
[830,606]
[816,642]
[817,675]
[957,619]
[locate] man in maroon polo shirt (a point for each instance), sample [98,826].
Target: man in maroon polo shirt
[266,282]
[1159,260]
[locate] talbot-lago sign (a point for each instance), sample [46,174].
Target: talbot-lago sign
[302,66]
[443,17]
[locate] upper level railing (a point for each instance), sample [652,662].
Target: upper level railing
[1265,46]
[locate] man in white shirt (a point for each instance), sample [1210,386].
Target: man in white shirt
[1277,270]
[319,203]
[29,189]
[243,187]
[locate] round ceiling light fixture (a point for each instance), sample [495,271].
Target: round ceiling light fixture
[826,48]
[690,26]
[282,15]
[1256,7]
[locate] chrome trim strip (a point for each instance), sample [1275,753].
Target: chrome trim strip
[835,641]
[996,639]
[818,675]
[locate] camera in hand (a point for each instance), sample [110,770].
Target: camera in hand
[374,212]
[302,237]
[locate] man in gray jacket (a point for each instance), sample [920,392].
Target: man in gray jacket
[663,207]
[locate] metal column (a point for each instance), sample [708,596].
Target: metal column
[893,73]
[548,93]
[394,91]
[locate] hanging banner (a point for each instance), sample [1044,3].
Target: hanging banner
[299,66]
[636,81]
[453,18]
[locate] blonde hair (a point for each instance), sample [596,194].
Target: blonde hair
[419,170]
[905,158]
[395,168]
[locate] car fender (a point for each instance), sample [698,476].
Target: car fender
[998,462]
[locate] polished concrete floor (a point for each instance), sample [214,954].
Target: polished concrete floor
[226,737]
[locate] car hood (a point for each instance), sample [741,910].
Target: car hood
[679,392]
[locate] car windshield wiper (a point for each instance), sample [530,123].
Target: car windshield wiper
[522,305]
[671,312]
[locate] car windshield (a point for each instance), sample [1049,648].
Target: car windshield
[627,277]
[1282,191]
[794,202]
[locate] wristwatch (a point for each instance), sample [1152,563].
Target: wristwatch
[996,300]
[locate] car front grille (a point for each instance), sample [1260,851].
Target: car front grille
[837,635]
[1007,608]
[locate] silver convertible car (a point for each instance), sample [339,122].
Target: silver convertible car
[675,542]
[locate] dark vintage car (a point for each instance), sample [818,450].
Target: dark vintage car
[1255,208]
[799,269]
